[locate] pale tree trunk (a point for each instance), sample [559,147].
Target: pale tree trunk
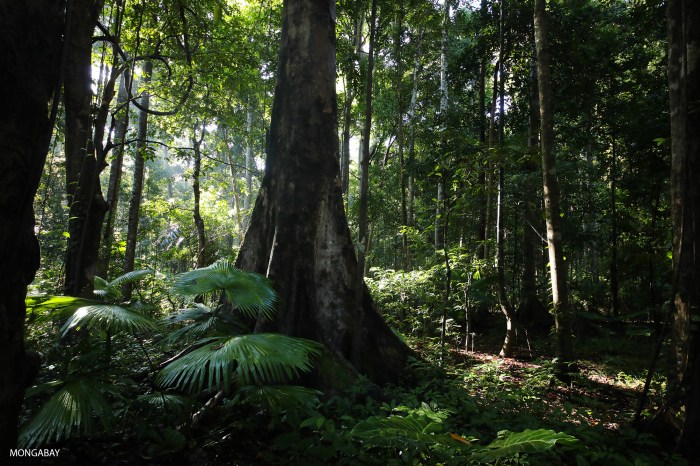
[400,138]
[363,222]
[683,19]
[31,40]
[557,266]
[444,101]
[410,188]
[347,115]
[298,234]
[87,207]
[508,346]
[137,184]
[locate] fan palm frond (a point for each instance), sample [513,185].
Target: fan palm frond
[71,410]
[202,319]
[279,396]
[249,292]
[108,317]
[112,290]
[166,401]
[258,358]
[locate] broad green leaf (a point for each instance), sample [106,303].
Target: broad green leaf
[527,441]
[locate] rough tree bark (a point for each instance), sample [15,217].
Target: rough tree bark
[557,266]
[298,234]
[31,41]
[683,19]
[83,167]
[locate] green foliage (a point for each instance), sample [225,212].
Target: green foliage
[510,444]
[248,292]
[108,317]
[72,410]
[257,358]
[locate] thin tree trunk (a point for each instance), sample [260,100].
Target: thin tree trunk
[557,266]
[235,194]
[481,181]
[400,138]
[410,188]
[249,165]
[509,341]
[489,166]
[614,285]
[298,234]
[531,313]
[31,41]
[363,238]
[444,101]
[197,217]
[115,176]
[137,184]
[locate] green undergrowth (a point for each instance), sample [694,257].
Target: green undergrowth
[124,384]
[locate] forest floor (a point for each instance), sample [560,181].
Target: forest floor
[472,395]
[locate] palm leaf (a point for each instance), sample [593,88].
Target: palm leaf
[249,292]
[108,317]
[202,319]
[258,358]
[130,277]
[44,307]
[71,410]
[278,396]
[112,290]
[166,401]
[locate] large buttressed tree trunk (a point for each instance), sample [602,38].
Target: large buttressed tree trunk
[684,84]
[30,40]
[298,235]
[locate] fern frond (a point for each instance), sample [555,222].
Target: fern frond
[256,358]
[249,292]
[108,317]
[71,410]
